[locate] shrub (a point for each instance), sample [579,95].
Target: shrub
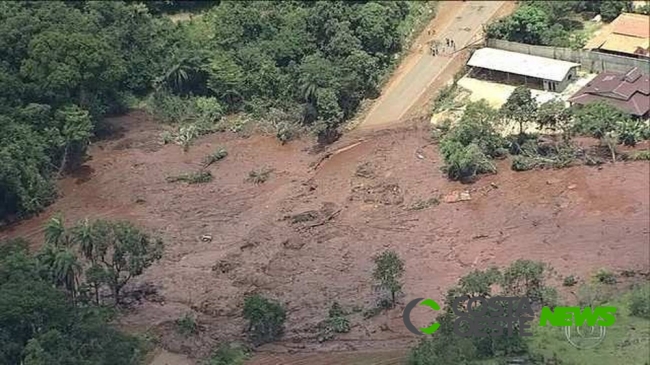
[192,178]
[523,163]
[169,108]
[476,126]
[569,281]
[187,325]
[339,324]
[631,131]
[465,162]
[259,176]
[639,305]
[265,319]
[605,277]
[229,354]
[208,110]
[597,119]
[219,154]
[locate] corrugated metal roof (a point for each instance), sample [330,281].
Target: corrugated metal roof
[521,64]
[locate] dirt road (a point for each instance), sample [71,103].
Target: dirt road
[460,21]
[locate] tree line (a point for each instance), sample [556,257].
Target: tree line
[67,65]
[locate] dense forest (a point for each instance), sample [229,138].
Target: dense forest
[67,65]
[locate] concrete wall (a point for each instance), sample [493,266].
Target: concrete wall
[591,61]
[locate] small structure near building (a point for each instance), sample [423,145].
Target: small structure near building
[522,69]
[629,92]
[628,35]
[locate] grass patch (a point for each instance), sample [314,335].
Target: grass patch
[218,155]
[199,177]
[259,176]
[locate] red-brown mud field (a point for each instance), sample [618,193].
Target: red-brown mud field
[306,237]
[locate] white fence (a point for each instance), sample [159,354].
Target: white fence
[591,61]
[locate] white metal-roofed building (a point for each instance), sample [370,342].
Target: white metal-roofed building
[518,68]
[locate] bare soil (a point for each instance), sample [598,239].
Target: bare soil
[306,236]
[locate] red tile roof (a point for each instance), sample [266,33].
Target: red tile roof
[629,92]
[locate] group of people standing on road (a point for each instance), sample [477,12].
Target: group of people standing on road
[434,46]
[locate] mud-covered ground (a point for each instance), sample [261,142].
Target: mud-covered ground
[306,237]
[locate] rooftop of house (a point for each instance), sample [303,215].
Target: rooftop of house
[629,92]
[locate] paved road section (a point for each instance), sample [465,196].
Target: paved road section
[464,26]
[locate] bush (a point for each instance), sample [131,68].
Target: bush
[597,119]
[219,154]
[192,178]
[523,163]
[465,162]
[640,302]
[229,354]
[265,319]
[469,145]
[605,277]
[187,325]
[170,108]
[208,110]
[476,126]
[569,280]
[259,176]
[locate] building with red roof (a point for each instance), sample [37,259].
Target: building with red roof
[629,92]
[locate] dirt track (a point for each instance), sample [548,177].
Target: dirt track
[460,21]
[578,219]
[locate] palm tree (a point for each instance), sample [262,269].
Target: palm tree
[55,231]
[65,270]
[63,267]
[309,89]
[82,234]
